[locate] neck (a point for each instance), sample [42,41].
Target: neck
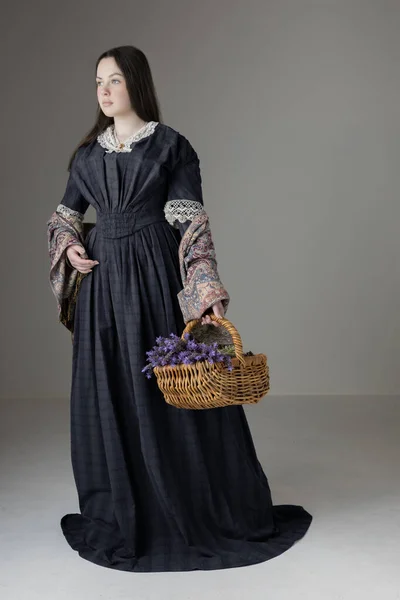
[127,125]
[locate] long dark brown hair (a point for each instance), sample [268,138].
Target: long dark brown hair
[139,82]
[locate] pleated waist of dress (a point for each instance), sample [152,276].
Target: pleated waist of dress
[117,225]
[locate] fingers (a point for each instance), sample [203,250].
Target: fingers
[218,310]
[206,320]
[86,262]
[83,265]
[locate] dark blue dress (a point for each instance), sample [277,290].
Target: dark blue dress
[159,488]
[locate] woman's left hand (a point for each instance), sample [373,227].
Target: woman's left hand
[218,310]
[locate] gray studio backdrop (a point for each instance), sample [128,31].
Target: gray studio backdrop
[293,107]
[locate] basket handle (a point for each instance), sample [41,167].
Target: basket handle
[237,340]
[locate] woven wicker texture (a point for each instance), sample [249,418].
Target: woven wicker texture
[203,385]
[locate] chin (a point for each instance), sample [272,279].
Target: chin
[106,109]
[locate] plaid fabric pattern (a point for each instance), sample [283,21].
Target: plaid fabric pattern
[158,488]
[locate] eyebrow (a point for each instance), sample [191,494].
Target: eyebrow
[97,77]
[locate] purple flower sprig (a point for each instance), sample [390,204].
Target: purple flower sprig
[174,350]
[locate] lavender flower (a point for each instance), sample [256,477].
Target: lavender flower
[173,350]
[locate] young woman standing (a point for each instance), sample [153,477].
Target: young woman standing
[159,488]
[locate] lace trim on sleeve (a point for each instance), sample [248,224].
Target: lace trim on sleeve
[68,213]
[182,210]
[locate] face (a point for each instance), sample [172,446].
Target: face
[111,88]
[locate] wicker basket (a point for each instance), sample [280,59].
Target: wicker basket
[203,385]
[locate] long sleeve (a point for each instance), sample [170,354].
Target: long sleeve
[64,228]
[185,194]
[73,198]
[73,207]
[184,209]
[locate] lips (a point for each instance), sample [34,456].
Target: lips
[107,103]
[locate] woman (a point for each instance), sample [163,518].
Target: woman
[160,488]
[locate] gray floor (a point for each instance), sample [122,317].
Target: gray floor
[337,456]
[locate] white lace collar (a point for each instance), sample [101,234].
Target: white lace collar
[107,139]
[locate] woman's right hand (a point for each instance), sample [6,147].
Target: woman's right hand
[75,252]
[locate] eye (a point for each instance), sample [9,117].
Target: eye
[112,80]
